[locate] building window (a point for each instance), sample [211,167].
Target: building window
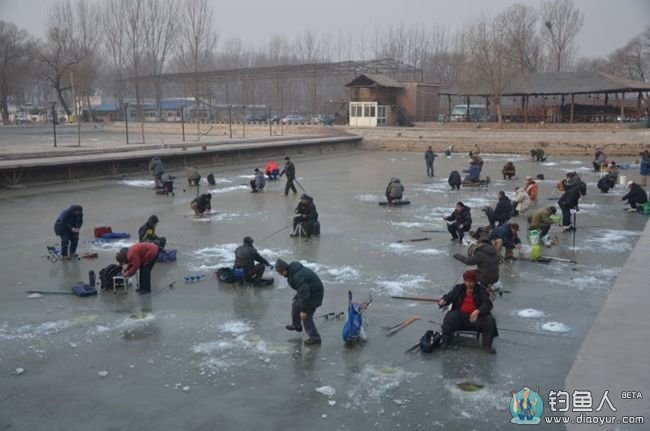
[372,111]
[366,110]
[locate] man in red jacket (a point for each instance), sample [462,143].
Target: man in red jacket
[141,256]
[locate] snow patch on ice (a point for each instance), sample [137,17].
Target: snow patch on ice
[610,241]
[138,183]
[431,252]
[328,391]
[227,189]
[111,245]
[530,313]
[402,284]
[333,274]
[408,225]
[369,198]
[558,327]
[130,322]
[374,383]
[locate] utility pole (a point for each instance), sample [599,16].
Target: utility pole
[126,121]
[54,122]
[230,120]
[270,124]
[245,120]
[76,109]
[183,122]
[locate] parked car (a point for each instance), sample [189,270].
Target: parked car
[22,118]
[249,118]
[261,118]
[293,119]
[477,113]
[275,119]
[324,120]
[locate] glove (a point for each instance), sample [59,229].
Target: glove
[270,267]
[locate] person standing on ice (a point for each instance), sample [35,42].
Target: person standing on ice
[429,158]
[309,296]
[67,227]
[290,171]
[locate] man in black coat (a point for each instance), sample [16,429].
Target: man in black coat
[486,259]
[460,222]
[202,204]
[574,188]
[636,196]
[429,158]
[246,257]
[501,212]
[309,296]
[67,227]
[290,171]
[454,180]
[307,216]
[470,310]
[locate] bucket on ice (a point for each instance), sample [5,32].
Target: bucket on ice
[622,180]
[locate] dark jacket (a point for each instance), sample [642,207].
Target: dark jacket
[481,298]
[606,183]
[246,255]
[454,179]
[68,219]
[308,210]
[508,168]
[540,218]
[486,259]
[260,180]
[395,189]
[644,169]
[429,156]
[573,190]
[473,173]
[505,234]
[289,170]
[308,287]
[503,209]
[204,202]
[156,166]
[636,194]
[464,218]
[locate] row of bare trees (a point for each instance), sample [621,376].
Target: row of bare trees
[92,46]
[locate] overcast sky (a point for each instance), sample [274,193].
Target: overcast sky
[609,24]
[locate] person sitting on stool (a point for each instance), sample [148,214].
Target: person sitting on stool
[394,191]
[246,257]
[67,227]
[461,222]
[193,176]
[635,197]
[470,310]
[202,204]
[258,182]
[307,217]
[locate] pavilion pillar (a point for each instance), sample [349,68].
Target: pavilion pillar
[560,115]
[571,111]
[524,111]
[468,115]
[622,107]
[638,105]
[487,106]
[449,105]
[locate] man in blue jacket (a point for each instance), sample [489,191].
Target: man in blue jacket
[506,235]
[309,296]
[67,227]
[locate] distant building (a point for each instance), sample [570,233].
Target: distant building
[378,100]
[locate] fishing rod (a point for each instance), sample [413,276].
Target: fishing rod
[299,185]
[559,259]
[435,231]
[275,233]
[417,298]
[396,328]
[507,330]
[413,240]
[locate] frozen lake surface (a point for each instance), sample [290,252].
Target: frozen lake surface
[205,356]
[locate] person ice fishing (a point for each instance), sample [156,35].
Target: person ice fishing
[470,310]
[600,160]
[613,171]
[537,155]
[606,183]
[258,182]
[644,167]
[449,150]
[158,170]
[473,172]
[508,171]
[454,180]
[139,257]
[531,189]
[635,197]
[271,170]
[541,221]
[193,176]
[523,407]
[574,188]
[506,235]
[309,296]
[394,191]
[486,259]
[307,216]
[430,157]
[246,258]
[290,171]
[459,222]
[147,233]
[202,204]
[521,201]
[67,226]
[502,211]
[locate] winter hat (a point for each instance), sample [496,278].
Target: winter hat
[629,183]
[248,240]
[470,275]
[281,265]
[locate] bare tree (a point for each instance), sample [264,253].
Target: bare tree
[562,21]
[160,35]
[115,46]
[488,49]
[88,20]
[133,16]
[14,61]
[521,27]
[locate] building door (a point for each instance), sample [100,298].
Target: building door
[381,115]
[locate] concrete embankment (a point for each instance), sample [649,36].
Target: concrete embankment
[555,141]
[107,163]
[614,355]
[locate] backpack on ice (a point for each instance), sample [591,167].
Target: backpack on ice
[83,289]
[226,275]
[430,341]
[166,256]
[106,276]
[101,230]
[353,327]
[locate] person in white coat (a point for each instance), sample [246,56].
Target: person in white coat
[521,201]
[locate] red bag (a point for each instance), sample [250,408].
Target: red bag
[101,230]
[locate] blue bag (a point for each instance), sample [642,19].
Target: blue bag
[83,289]
[353,327]
[116,235]
[166,256]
